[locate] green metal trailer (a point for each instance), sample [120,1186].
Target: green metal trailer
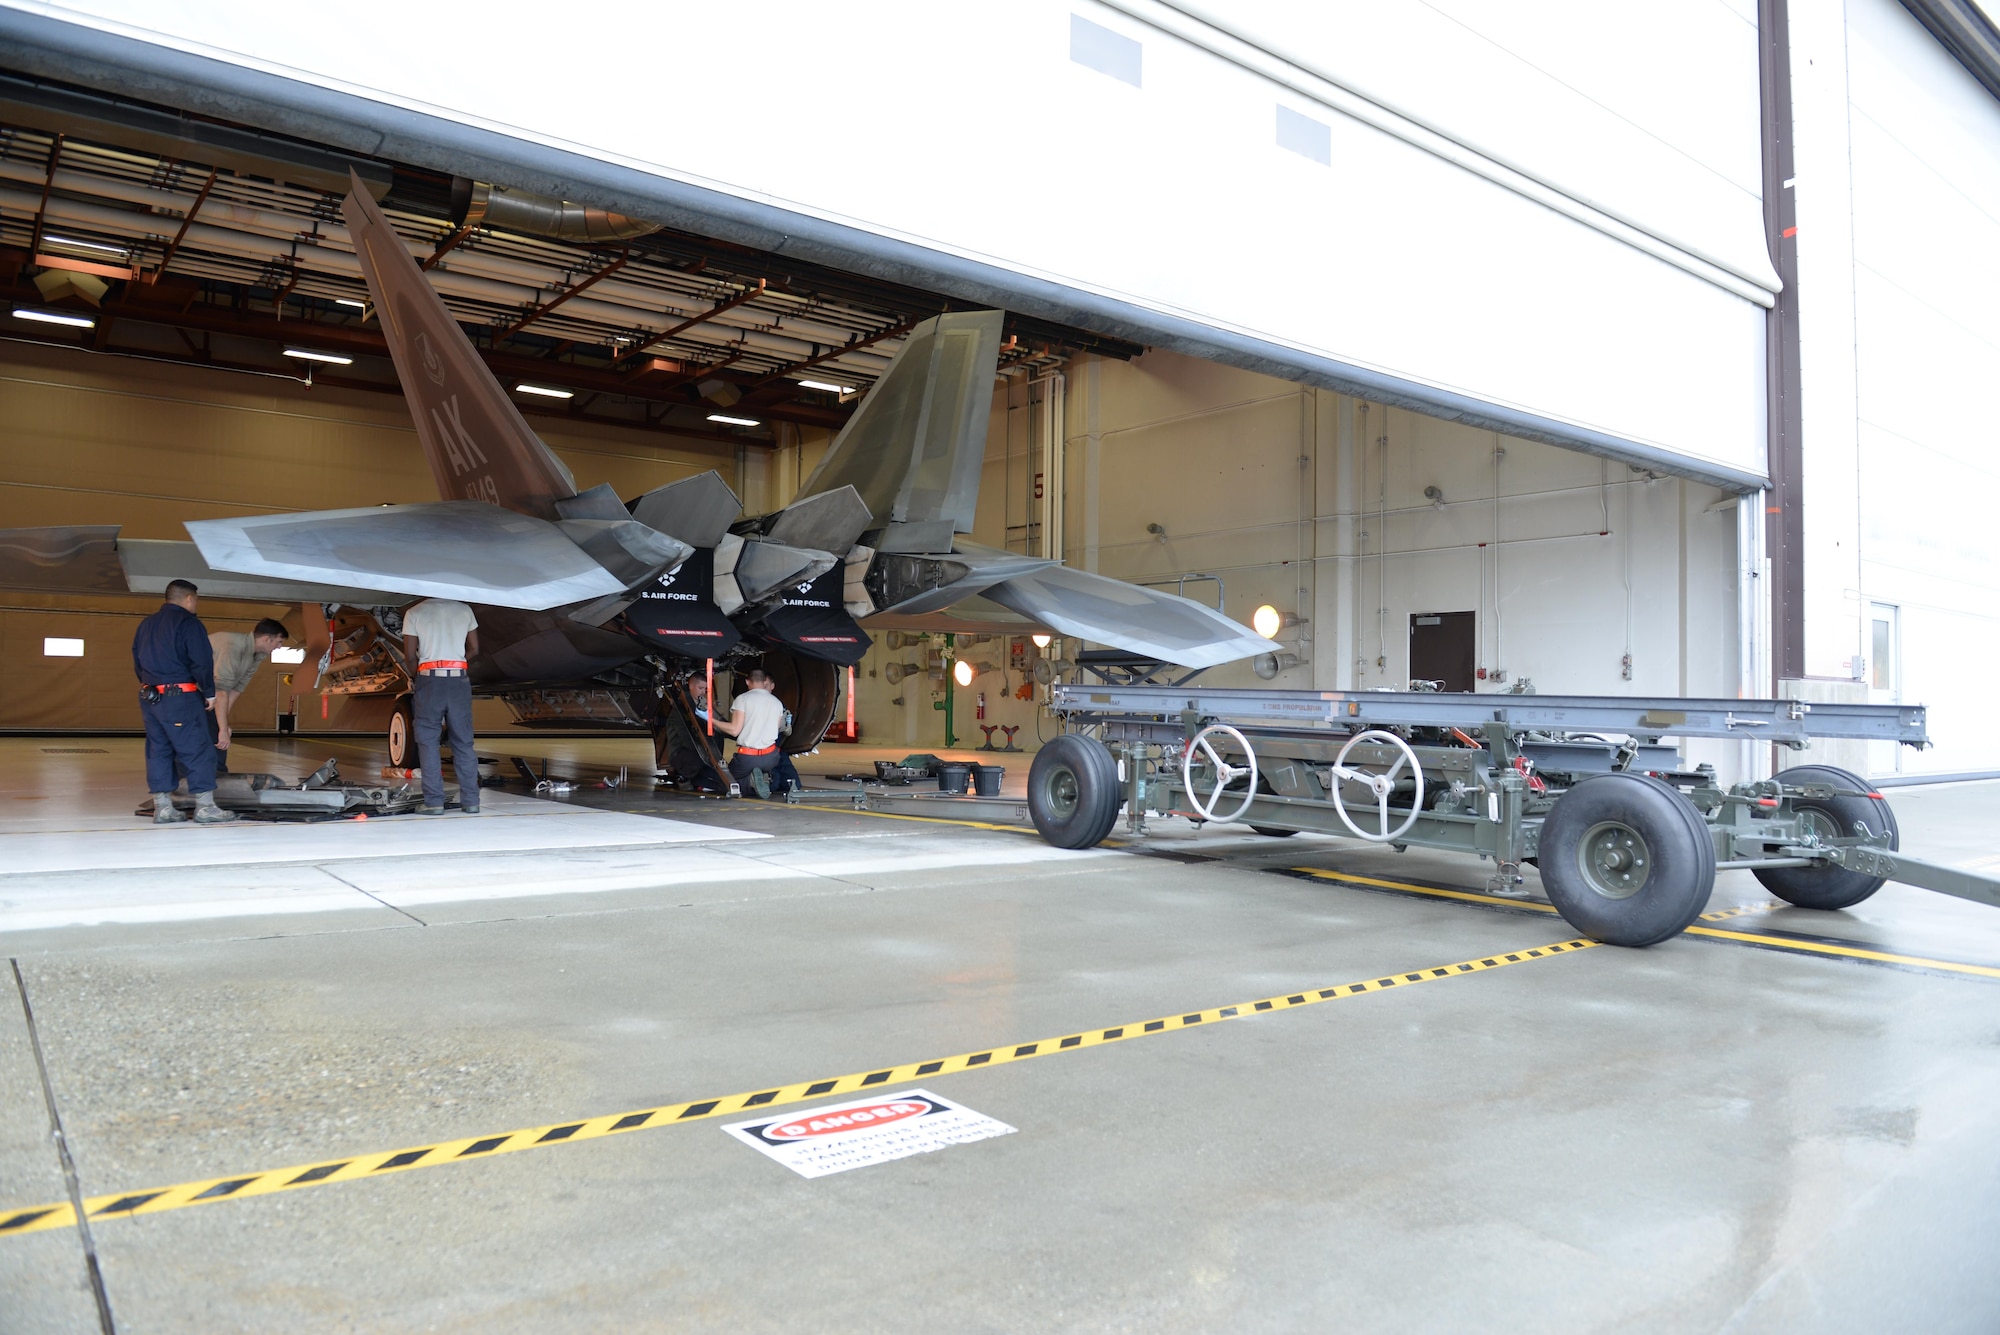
[1626,835]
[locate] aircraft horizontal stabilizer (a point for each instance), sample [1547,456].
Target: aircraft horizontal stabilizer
[762,568]
[698,510]
[913,585]
[466,550]
[1144,621]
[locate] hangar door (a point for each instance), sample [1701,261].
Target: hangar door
[1539,217]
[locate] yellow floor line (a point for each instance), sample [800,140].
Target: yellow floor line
[1721,915]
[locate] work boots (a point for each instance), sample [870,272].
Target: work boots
[164,810]
[207,813]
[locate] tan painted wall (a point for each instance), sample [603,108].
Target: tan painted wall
[1290,495]
[118,440]
[1294,497]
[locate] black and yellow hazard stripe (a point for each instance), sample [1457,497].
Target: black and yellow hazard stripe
[207,1191]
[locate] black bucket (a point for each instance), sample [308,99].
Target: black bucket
[952,777]
[986,779]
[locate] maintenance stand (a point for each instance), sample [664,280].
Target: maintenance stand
[1627,837]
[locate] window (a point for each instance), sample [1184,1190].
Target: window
[1882,665]
[56,646]
[1305,136]
[1097,47]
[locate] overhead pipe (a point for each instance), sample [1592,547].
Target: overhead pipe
[479,204]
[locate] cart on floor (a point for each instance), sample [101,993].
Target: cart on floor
[1626,835]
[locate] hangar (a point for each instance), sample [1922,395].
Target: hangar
[1469,350]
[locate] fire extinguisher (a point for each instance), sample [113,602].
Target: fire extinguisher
[979,710]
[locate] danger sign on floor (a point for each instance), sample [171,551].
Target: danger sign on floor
[867,1131]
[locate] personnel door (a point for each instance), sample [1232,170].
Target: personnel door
[1442,646]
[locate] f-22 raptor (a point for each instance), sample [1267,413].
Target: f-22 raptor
[596,611]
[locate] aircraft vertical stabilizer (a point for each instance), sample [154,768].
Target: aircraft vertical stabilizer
[479,446]
[914,448]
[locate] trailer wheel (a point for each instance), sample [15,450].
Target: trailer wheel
[1833,818]
[1073,793]
[403,734]
[1626,859]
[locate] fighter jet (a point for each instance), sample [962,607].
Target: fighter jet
[596,611]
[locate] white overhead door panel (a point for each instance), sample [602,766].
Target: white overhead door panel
[1649,112]
[1593,275]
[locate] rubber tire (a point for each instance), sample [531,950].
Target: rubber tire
[405,715]
[1273,832]
[1095,774]
[1832,887]
[1683,874]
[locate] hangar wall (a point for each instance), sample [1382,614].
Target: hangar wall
[1547,291]
[1898,181]
[120,440]
[1315,502]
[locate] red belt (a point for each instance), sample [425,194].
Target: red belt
[742,750]
[182,686]
[458,663]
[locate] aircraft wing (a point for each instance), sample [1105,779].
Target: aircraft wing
[1146,621]
[466,550]
[92,558]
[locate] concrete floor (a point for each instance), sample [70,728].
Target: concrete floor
[1701,1136]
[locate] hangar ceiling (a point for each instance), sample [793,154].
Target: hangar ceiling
[220,245]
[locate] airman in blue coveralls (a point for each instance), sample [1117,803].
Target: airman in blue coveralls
[176,670]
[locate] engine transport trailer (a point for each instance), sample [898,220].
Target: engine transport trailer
[1626,835]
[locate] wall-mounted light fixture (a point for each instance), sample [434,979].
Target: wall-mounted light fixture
[964,670]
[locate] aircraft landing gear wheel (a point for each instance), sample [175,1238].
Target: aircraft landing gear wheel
[1627,860]
[1380,785]
[1073,795]
[1831,818]
[403,734]
[1202,751]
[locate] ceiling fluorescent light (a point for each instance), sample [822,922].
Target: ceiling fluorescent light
[310,355]
[295,654]
[350,301]
[57,646]
[734,421]
[821,384]
[545,391]
[120,251]
[57,317]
